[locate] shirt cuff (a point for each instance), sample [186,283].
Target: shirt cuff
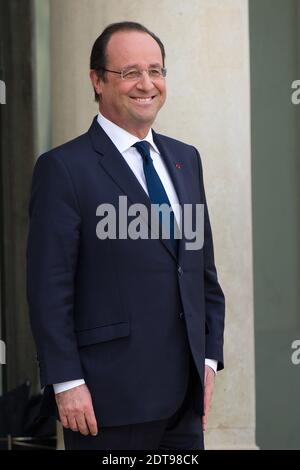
[64,386]
[212,363]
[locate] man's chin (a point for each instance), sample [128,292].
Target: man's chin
[145,118]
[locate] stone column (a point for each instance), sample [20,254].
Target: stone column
[207,45]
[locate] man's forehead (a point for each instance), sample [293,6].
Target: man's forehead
[132,47]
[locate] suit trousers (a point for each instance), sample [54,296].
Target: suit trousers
[181,431]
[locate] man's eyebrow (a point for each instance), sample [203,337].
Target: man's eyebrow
[131,66]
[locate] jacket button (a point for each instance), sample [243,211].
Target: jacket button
[180,270]
[181,315]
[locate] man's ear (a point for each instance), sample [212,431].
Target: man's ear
[96,82]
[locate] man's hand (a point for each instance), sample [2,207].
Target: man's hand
[76,410]
[209,382]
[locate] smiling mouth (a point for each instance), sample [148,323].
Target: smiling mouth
[143,100]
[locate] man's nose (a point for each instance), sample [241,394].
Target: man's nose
[145,82]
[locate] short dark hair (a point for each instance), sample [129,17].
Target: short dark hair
[98,54]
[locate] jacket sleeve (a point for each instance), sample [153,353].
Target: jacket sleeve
[52,251]
[214,297]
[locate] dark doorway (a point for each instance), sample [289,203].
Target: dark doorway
[16,163]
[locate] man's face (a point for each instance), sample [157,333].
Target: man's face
[132,105]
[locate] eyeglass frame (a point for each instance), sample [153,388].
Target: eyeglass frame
[163,73]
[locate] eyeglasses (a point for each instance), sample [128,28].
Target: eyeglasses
[154,73]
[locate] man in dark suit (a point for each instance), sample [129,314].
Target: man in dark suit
[129,329]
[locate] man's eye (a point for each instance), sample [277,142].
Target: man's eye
[154,72]
[131,74]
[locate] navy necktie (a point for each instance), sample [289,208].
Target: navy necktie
[157,193]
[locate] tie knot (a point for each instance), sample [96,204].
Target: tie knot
[144,149]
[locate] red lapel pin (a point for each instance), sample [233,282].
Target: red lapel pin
[178,166]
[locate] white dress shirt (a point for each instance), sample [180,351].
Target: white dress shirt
[124,141]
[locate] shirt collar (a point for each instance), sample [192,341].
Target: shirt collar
[122,139]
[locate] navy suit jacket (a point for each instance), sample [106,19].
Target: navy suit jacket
[123,314]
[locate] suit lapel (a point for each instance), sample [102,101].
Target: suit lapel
[116,167]
[179,177]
